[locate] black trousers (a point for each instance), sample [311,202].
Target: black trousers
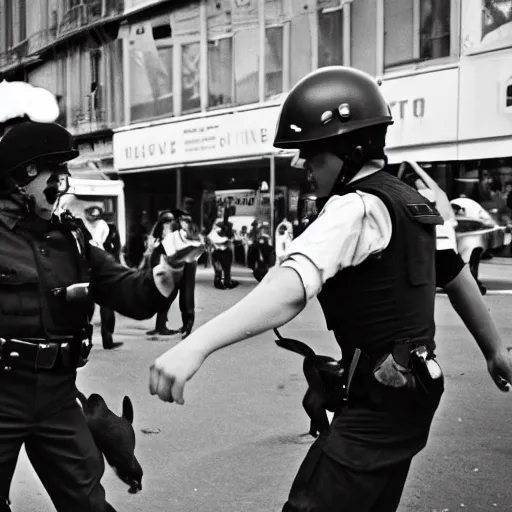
[186,290]
[40,410]
[324,485]
[222,262]
[108,325]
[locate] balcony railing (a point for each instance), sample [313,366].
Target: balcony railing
[14,55]
[41,39]
[84,14]
[75,19]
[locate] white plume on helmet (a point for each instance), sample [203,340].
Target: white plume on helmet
[20,99]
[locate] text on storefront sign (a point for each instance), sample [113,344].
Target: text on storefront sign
[406,107]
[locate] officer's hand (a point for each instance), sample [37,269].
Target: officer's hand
[500,368]
[168,374]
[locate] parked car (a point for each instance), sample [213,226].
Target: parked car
[477,232]
[468,228]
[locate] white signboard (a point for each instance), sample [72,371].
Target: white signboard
[424,108]
[225,136]
[243,201]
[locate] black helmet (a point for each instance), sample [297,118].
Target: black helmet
[28,143]
[329,102]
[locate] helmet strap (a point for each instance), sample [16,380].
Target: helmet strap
[352,164]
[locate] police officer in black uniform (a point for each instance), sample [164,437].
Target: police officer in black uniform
[50,275]
[370,259]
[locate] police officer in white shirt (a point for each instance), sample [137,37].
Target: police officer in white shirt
[369,257]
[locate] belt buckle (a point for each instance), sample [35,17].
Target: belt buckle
[46,355]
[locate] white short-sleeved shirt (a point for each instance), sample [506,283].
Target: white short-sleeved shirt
[348,230]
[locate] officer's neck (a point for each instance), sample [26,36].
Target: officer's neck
[369,168]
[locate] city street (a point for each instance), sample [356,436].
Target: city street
[236,444]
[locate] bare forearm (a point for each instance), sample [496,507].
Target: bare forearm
[274,302]
[467,301]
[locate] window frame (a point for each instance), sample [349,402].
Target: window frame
[344,9]
[416,62]
[220,37]
[284,81]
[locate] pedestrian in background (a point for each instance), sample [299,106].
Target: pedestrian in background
[102,238]
[165,224]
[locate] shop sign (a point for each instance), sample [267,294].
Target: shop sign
[424,108]
[242,202]
[226,136]
[485,111]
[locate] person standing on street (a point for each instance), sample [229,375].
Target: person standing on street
[101,234]
[164,226]
[50,275]
[187,286]
[370,259]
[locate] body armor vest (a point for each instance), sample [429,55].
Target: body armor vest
[390,296]
[38,259]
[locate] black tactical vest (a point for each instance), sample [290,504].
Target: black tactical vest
[390,296]
[37,259]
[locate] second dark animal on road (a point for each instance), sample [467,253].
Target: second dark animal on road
[115,438]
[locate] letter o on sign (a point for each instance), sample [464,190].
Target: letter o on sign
[418,107]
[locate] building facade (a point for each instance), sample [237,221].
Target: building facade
[180,98]
[71,48]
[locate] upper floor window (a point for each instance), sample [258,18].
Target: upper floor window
[330,37]
[416,30]
[151,62]
[273,61]
[220,53]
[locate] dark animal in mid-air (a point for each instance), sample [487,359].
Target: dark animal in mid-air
[115,438]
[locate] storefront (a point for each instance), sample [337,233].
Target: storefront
[94,182]
[424,108]
[195,157]
[457,123]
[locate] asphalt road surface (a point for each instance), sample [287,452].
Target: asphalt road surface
[237,442]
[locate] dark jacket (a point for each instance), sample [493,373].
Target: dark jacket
[39,258]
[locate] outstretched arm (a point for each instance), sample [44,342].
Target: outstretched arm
[467,301]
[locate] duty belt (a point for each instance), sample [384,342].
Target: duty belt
[40,353]
[330,382]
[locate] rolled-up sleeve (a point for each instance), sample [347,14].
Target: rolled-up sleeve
[348,230]
[132,293]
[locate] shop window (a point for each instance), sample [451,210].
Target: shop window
[220,72]
[151,93]
[273,61]
[246,62]
[416,30]
[330,38]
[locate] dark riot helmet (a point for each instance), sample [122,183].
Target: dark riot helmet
[330,102]
[25,145]
[337,109]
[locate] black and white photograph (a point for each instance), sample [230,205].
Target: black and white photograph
[255,255]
